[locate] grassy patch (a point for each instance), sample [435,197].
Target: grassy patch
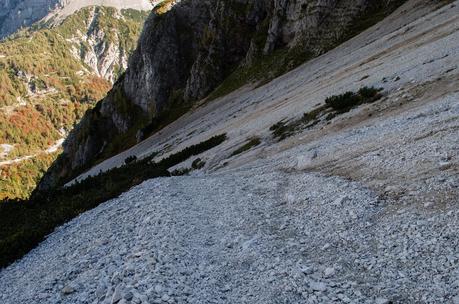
[25,223]
[283,129]
[253,142]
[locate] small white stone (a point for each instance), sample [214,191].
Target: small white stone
[68,290]
[428,204]
[329,271]
[340,200]
[117,295]
[444,165]
[165,297]
[289,198]
[318,286]
[381,301]
[158,288]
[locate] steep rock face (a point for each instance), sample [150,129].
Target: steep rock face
[104,50]
[15,14]
[185,53]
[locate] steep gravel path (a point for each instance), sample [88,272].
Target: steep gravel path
[252,236]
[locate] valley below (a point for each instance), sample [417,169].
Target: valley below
[50,76]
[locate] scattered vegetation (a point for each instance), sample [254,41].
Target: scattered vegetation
[45,87]
[25,223]
[253,142]
[334,105]
[283,129]
[196,165]
[345,102]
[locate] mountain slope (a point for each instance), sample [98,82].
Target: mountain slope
[359,207]
[17,14]
[200,44]
[50,77]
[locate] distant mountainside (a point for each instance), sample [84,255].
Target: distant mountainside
[49,76]
[15,14]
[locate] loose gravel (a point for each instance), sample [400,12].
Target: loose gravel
[253,236]
[357,211]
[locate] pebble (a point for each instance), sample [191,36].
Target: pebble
[456,300]
[68,290]
[381,301]
[329,271]
[318,286]
[117,295]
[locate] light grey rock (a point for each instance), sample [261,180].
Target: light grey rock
[381,301]
[329,271]
[318,286]
[68,290]
[117,294]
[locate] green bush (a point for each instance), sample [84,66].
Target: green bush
[345,102]
[334,105]
[255,141]
[198,164]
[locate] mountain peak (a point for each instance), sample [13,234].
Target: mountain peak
[15,14]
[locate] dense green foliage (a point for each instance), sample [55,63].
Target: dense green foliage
[19,179]
[45,86]
[25,223]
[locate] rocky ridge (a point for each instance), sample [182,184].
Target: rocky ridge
[199,44]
